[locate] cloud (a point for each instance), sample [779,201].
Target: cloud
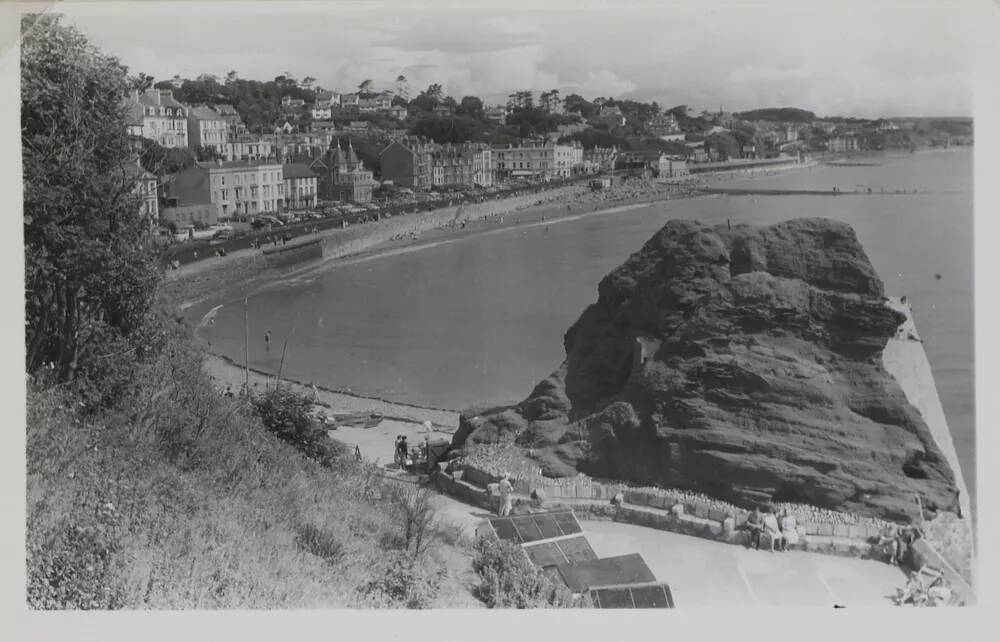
[606,83]
[895,59]
[463,34]
[755,73]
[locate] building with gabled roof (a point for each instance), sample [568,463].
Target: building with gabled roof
[206,128]
[235,188]
[409,162]
[344,177]
[164,119]
[300,186]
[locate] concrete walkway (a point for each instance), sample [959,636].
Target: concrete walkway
[906,360]
[703,573]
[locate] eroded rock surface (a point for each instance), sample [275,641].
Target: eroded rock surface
[742,363]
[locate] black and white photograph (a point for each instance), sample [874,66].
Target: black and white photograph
[466,306]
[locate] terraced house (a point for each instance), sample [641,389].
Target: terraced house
[164,120]
[409,162]
[468,164]
[541,161]
[300,186]
[207,128]
[234,188]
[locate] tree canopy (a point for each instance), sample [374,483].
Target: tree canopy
[89,274]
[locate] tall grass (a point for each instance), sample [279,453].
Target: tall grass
[179,498]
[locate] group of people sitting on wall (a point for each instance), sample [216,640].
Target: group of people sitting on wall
[896,543]
[779,531]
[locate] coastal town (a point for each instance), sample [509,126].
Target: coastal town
[298,344]
[224,156]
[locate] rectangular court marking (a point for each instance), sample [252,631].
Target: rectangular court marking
[829,589]
[746,583]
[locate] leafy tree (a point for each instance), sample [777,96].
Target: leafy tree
[307,82]
[435,91]
[142,82]
[365,87]
[399,101]
[423,102]
[453,129]
[471,106]
[577,103]
[164,161]
[286,414]
[89,274]
[231,77]
[778,114]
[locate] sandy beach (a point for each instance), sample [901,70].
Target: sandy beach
[244,270]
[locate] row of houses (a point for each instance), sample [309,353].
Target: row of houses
[221,190]
[420,164]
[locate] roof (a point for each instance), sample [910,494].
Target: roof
[225,109]
[236,164]
[608,571]
[202,112]
[297,170]
[165,98]
[324,95]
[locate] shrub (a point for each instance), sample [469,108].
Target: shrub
[74,569]
[321,543]
[414,519]
[402,581]
[509,580]
[286,414]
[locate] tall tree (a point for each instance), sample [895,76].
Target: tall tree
[435,91]
[471,106]
[366,86]
[232,77]
[89,275]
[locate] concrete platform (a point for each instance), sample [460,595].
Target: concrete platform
[702,573]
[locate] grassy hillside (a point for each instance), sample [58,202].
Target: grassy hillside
[179,498]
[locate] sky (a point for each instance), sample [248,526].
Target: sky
[877,58]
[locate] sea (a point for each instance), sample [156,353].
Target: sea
[481,319]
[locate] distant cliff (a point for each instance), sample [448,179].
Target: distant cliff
[742,363]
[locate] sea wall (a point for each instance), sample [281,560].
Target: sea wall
[355,239]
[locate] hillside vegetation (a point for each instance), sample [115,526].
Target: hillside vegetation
[146,488]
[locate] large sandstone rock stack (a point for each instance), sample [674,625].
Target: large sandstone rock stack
[742,363]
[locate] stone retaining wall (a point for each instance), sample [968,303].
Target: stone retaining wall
[815,521]
[358,238]
[672,510]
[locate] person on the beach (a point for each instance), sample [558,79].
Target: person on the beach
[773,531]
[404,451]
[229,391]
[755,526]
[267,340]
[357,453]
[506,500]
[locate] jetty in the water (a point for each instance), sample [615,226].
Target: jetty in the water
[751,191]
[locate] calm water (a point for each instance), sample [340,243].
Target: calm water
[482,318]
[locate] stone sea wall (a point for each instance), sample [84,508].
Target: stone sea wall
[359,238]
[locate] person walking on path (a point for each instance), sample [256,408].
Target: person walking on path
[505,495]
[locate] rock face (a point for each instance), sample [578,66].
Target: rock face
[742,363]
